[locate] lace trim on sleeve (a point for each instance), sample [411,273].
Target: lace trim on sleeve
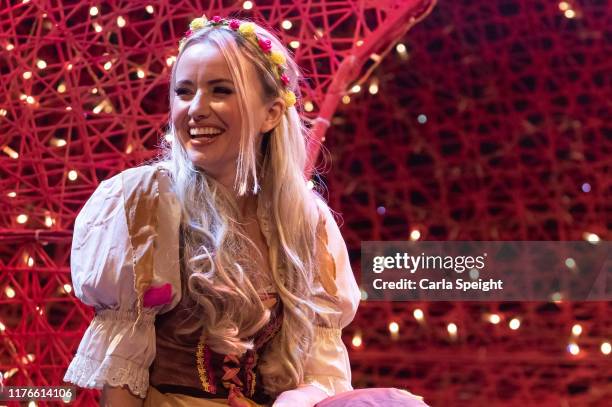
[114,371]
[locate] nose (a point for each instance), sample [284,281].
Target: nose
[199,108]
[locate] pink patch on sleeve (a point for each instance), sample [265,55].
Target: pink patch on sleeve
[158,296]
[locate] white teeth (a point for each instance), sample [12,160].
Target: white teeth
[207,131]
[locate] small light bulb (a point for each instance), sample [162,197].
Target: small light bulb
[67,288]
[494,319]
[418,314]
[286,24]
[9,291]
[576,330]
[73,175]
[27,75]
[415,235]
[346,99]
[30,261]
[310,184]
[606,348]
[452,329]
[12,194]
[570,13]
[10,152]
[61,88]
[357,342]
[356,89]
[247,5]
[401,48]
[23,218]
[121,22]
[41,64]
[564,5]
[294,44]
[108,65]
[30,100]
[514,324]
[150,9]
[373,89]
[573,348]
[93,11]
[170,60]
[10,47]
[97,27]
[49,221]
[3,112]
[394,327]
[591,237]
[308,106]
[140,73]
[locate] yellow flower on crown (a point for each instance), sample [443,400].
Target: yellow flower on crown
[247,29]
[277,57]
[198,23]
[290,98]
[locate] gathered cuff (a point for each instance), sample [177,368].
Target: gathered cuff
[114,371]
[117,349]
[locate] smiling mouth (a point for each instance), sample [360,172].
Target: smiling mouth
[208,132]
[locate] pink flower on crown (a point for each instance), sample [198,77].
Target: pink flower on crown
[265,44]
[234,24]
[188,33]
[216,19]
[285,79]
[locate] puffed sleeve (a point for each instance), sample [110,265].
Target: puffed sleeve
[328,366]
[124,263]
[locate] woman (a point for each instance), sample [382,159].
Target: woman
[218,276]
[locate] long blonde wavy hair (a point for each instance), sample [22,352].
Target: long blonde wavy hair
[215,247]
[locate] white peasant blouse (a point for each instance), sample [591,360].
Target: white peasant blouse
[125,264]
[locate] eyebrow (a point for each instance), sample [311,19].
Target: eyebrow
[210,82]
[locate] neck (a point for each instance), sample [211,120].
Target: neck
[246,204]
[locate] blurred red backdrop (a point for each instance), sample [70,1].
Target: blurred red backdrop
[486,121]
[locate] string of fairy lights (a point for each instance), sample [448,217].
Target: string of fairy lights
[513,323]
[359,340]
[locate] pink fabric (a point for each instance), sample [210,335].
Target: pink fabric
[158,295]
[383,397]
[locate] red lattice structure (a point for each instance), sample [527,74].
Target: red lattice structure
[86,89]
[492,124]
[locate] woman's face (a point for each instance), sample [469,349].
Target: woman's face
[205,111]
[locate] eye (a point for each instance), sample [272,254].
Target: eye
[181,91]
[223,89]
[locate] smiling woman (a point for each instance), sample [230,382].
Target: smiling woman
[218,276]
[206,111]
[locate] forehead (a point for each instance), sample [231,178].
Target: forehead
[202,61]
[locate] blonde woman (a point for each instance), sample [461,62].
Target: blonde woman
[218,277]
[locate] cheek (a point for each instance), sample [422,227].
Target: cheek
[179,111]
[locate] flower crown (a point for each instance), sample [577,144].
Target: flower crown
[247,30]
